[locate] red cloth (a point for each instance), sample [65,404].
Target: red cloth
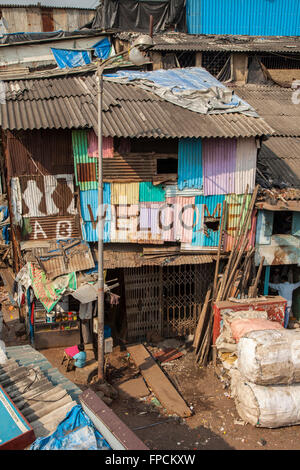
[72,351]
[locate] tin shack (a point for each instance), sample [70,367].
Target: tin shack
[167,170]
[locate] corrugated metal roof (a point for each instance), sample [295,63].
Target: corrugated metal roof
[279,157]
[128,111]
[279,161]
[175,41]
[275,105]
[76,4]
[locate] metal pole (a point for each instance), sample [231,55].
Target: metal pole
[100,231]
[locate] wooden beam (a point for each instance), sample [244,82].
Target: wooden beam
[158,381]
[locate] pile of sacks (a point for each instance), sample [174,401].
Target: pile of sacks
[265,382]
[234,325]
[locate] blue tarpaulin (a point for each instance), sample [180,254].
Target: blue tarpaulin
[102,48]
[66,58]
[75,432]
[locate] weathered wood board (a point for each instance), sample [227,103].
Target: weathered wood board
[158,382]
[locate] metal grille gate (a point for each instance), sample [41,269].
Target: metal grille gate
[165,299]
[143,301]
[184,289]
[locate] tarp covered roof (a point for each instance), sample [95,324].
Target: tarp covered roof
[70,102]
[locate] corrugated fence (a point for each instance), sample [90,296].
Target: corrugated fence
[245,17]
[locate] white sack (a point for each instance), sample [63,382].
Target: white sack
[3,357]
[270,406]
[225,341]
[270,357]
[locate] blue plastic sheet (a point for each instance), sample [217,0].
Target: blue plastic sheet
[102,48]
[75,432]
[66,58]
[5,231]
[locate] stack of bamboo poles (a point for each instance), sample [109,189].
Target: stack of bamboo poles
[234,281]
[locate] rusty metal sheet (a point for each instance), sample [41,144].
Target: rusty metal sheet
[58,228]
[41,152]
[283,249]
[65,257]
[86,172]
[131,257]
[129,167]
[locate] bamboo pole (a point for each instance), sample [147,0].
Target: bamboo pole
[201,320]
[224,214]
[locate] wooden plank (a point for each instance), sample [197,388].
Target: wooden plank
[158,382]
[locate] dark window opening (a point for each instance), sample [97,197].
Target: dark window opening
[212,223]
[172,60]
[167,166]
[214,62]
[273,61]
[282,223]
[160,146]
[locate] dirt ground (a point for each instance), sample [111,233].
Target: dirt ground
[214,425]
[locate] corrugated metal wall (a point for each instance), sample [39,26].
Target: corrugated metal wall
[245,171]
[190,163]
[208,206]
[249,17]
[234,206]
[219,163]
[85,167]
[151,193]
[40,152]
